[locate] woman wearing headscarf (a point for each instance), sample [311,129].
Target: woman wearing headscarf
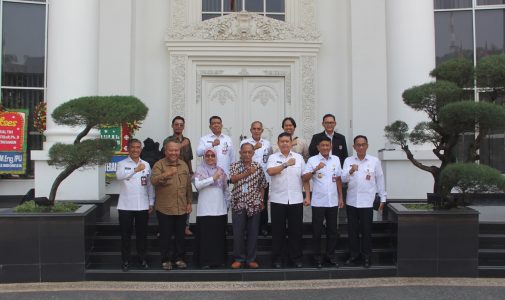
[212,212]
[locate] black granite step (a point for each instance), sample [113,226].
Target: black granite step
[241,274]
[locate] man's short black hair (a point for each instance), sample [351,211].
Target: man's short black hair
[215,117]
[133,141]
[358,137]
[329,115]
[283,135]
[289,119]
[178,118]
[324,139]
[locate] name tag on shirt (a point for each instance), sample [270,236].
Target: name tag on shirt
[143,180]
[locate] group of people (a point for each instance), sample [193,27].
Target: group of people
[264,173]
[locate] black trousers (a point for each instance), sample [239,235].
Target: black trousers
[263,222]
[319,214]
[171,225]
[292,216]
[127,218]
[359,221]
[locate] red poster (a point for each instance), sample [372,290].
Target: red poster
[12,126]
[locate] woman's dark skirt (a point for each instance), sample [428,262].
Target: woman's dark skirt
[211,241]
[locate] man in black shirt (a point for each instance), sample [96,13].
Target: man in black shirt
[338,144]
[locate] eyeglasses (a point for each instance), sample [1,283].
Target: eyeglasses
[210,155]
[361,145]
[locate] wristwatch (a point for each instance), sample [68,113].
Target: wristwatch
[284,165]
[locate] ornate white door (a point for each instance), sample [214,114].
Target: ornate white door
[241,100]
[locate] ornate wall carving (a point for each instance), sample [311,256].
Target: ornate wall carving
[287,81]
[308,14]
[179,12]
[199,75]
[178,83]
[308,94]
[264,94]
[222,94]
[242,26]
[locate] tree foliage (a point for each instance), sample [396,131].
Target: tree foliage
[89,113]
[451,111]
[467,178]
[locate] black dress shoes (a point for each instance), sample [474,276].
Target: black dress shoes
[264,232]
[332,261]
[277,264]
[144,264]
[125,266]
[351,260]
[298,264]
[367,262]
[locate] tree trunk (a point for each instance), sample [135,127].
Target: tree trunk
[64,174]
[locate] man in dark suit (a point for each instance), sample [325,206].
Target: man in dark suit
[338,145]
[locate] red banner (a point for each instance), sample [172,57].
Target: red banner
[12,126]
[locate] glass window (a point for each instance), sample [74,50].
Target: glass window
[23,63]
[23,53]
[448,4]
[275,6]
[270,8]
[490,2]
[211,5]
[490,32]
[453,35]
[254,5]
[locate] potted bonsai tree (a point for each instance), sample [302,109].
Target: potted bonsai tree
[53,247]
[444,242]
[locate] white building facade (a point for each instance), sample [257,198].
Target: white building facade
[351,58]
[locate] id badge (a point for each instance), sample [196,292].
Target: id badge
[334,178]
[245,188]
[143,180]
[368,177]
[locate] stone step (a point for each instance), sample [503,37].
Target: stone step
[261,274]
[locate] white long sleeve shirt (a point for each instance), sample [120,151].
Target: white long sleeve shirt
[365,182]
[132,194]
[262,154]
[212,200]
[287,186]
[324,182]
[225,150]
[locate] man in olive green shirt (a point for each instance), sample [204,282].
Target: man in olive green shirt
[186,154]
[172,182]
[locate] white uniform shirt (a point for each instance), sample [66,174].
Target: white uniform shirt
[365,182]
[225,151]
[324,182]
[261,155]
[212,200]
[286,187]
[132,194]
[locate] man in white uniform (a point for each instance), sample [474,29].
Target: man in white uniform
[364,174]
[136,201]
[286,201]
[220,142]
[325,170]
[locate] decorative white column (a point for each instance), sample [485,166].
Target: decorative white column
[410,52]
[410,31]
[72,72]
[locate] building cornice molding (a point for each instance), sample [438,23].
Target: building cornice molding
[241,26]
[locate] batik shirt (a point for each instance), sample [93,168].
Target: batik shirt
[246,193]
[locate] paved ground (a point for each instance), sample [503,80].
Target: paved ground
[376,288]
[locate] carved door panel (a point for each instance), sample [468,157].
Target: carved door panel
[242,100]
[265,103]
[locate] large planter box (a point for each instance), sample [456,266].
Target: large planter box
[436,242]
[45,246]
